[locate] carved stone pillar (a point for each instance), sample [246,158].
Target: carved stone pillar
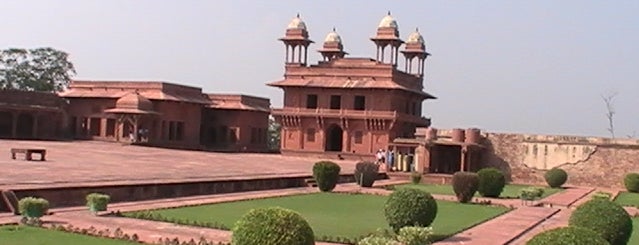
[462,166]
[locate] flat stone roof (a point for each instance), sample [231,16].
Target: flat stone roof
[85,163]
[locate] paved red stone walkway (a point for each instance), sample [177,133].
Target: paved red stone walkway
[562,217]
[503,229]
[567,197]
[99,163]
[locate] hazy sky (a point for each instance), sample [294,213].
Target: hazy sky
[508,66]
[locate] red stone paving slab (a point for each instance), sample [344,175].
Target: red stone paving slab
[632,211]
[502,229]
[560,219]
[567,197]
[99,163]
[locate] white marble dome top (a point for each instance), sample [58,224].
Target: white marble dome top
[415,37]
[297,23]
[333,37]
[388,21]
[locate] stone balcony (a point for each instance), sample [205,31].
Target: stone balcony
[351,114]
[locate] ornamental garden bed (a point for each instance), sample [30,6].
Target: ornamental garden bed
[510,190]
[27,235]
[628,199]
[336,217]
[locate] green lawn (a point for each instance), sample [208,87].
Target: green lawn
[332,214]
[24,235]
[627,199]
[634,239]
[510,191]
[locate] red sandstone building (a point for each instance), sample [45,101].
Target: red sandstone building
[31,115]
[151,113]
[350,106]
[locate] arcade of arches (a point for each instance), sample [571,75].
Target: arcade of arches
[30,115]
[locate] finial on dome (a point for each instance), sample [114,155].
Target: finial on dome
[417,29]
[389,12]
[298,15]
[333,28]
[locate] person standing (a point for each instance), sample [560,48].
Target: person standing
[390,157]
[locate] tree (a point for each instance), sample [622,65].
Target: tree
[274,134]
[40,69]
[610,111]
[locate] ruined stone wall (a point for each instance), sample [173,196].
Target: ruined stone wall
[589,161]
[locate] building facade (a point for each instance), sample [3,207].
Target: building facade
[345,106]
[155,113]
[150,113]
[31,115]
[235,123]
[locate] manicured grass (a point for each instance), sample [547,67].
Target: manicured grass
[510,191]
[634,239]
[332,214]
[627,199]
[24,235]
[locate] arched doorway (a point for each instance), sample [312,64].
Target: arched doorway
[25,126]
[333,138]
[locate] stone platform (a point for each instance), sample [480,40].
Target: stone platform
[103,163]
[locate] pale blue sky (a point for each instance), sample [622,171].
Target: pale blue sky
[507,66]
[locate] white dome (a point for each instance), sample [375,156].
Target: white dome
[415,37]
[388,21]
[297,23]
[333,37]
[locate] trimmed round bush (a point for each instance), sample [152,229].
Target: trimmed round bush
[491,182]
[631,181]
[410,207]
[556,177]
[326,174]
[97,201]
[272,225]
[568,236]
[465,184]
[606,218]
[33,208]
[366,173]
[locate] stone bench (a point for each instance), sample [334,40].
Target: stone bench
[28,152]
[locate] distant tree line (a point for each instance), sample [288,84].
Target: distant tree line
[39,69]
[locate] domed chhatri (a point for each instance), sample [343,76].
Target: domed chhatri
[333,37]
[332,48]
[388,21]
[387,37]
[297,23]
[297,41]
[415,37]
[415,48]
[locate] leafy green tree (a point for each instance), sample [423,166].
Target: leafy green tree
[274,132]
[40,69]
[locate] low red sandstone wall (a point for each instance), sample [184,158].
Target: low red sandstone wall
[75,196]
